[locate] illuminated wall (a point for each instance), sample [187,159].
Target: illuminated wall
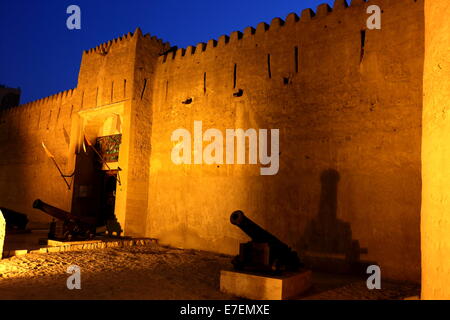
[347,102]
[435,227]
[25,170]
[348,106]
[106,86]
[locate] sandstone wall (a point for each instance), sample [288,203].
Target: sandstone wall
[348,106]
[147,50]
[26,173]
[106,84]
[105,87]
[347,102]
[435,154]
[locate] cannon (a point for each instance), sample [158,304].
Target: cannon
[15,221]
[67,226]
[265,252]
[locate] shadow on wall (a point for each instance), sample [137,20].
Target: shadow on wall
[327,243]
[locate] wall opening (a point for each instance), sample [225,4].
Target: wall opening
[57,116]
[112,91]
[49,118]
[38,123]
[167,89]
[204,83]
[269,71]
[234,76]
[97,171]
[363,44]
[143,89]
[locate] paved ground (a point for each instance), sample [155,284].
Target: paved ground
[332,287]
[152,272]
[30,241]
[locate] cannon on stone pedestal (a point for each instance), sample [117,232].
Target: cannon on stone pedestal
[67,226]
[265,253]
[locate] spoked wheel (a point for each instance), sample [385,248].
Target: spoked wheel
[68,236]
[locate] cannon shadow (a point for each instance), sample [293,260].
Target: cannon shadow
[327,243]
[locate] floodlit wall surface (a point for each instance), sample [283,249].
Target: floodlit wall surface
[26,173]
[347,102]
[105,89]
[435,228]
[348,107]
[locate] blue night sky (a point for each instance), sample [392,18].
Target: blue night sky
[41,56]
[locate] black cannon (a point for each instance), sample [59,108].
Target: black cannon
[265,253]
[67,226]
[15,221]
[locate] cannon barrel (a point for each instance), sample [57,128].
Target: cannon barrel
[72,225]
[61,214]
[51,210]
[254,231]
[265,253]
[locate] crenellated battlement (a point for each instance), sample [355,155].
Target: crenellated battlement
[261,28]
[293,21]
[54,97]
[49,99]
[103,48]
[107,45]
[307,16]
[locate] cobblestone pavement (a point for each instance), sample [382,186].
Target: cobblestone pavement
[357,290]
[150,272]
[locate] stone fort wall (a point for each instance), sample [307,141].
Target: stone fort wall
[26,172]
[348,104]
[106,78]
[435,213]
[347,111]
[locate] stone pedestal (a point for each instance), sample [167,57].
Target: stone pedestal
[261,287]
[2,232]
